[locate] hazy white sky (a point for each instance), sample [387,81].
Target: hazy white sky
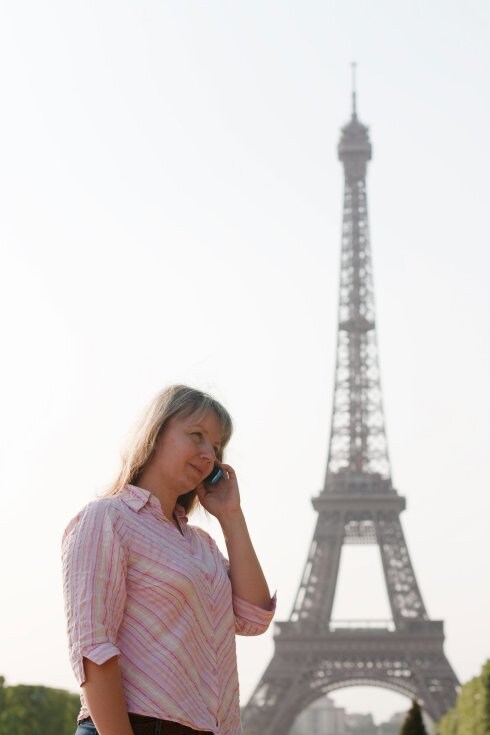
[171,211]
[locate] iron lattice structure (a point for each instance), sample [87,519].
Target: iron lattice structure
[357,505]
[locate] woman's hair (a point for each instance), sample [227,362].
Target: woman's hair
[176,400]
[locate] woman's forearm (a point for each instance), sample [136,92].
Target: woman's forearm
[246,575]
[104,695]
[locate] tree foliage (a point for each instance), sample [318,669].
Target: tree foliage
[37,710]
[449,723]
[414,724]
[471,714]
[2,692]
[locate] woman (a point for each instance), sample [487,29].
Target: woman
[152,605]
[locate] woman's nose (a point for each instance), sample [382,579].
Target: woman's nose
[208,454]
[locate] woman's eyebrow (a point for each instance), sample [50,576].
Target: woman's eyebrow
[197,425]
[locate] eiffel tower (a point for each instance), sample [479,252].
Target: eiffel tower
[357,505]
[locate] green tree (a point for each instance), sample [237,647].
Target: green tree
[471,713]
[473,705]
[414,724]
[2,692]
[485,676]
[37,710]
[449,723]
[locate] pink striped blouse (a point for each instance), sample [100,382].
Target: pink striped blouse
[161,600]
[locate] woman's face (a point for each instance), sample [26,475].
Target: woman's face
[186,450]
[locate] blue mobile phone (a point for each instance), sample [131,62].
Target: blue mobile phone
[215,475]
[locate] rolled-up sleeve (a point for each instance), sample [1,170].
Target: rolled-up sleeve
[251,619]
[94,584]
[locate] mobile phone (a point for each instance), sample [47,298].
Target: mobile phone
[215,475]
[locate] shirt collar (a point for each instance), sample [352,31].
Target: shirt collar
[137,497]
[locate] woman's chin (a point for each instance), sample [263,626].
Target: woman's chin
[187,492]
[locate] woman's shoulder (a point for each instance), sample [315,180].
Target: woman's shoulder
[103,510]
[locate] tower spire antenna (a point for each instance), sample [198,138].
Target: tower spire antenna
[354,92]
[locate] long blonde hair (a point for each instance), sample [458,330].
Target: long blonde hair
[172,401]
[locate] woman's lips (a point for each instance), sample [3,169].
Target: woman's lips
[200,472]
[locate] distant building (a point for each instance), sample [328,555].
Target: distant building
[398,718]
[393,726]
[360,723]
[320,718]
[324,718]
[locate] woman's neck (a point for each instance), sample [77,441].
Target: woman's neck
[151,481]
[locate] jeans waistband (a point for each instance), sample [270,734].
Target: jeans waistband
[145,725]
